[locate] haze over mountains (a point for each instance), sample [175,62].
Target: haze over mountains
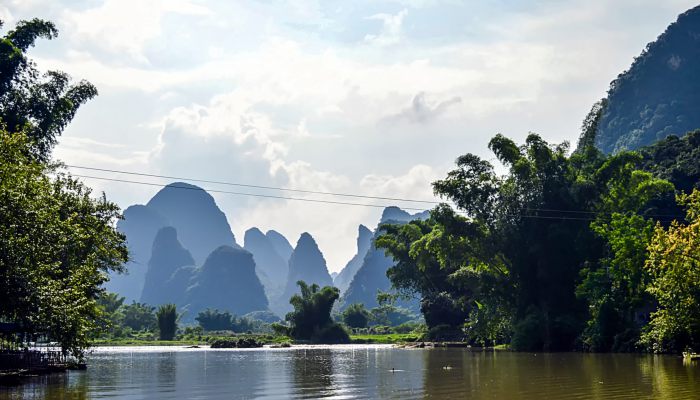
[370,277]
[183,252]
[344,277]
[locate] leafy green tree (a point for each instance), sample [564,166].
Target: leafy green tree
[387,313]
[57,246]
[39,105]
[674,265]
[311,318]
[443,259]
[139,317]
[111,305]
[215,320]
[356,316]
[167,321]
[615,285]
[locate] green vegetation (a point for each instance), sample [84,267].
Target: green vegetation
[550,256]
[57,242]
[138,317]
[167,321]
[311,318]
[356,316]
[657,96]
[389,338]
[215,320]
[674,266]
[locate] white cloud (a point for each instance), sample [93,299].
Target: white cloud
[127,26]
[391,29]
[253,92]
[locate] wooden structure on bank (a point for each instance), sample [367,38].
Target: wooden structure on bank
[19,355]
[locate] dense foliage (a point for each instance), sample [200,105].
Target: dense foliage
[356,316]
[167,321]
[57,242]
[549,256]
[676,160]
[311,318]
[215,320]
[674,266]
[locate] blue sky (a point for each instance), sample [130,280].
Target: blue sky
[370,97]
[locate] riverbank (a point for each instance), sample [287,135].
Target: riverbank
[265,339]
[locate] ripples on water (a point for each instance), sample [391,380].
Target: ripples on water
[348,372]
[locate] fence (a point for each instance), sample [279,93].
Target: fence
[30,360]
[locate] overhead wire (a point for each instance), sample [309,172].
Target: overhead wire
[323,201]
[175,186]
[255,186]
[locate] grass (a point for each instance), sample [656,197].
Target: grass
[187,340]
[389,338]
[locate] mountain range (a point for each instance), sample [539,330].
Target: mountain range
[182,251]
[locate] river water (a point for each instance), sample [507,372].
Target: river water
[364,371]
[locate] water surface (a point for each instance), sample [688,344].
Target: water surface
[364,371]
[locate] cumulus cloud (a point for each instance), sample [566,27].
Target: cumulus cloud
[252,92]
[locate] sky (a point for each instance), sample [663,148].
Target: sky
[366,97]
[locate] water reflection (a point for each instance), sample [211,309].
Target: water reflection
[365,372]
[480,375]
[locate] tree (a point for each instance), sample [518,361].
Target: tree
[674,265]
[167,321]
[139,316]
[356,316]
[41,106]
[57,246]
[111,305]
[311,317]
[215,320]
[615,285]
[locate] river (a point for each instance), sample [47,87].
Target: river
[364,371]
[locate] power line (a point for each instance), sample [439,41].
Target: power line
[255,186]
[174,186]
[525,209]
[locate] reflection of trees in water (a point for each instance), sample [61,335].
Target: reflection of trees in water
[166,369]
[670,378]
[312,373]
[479,374]
[482,375]
[70,385]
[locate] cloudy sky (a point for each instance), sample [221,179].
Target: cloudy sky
[366,97]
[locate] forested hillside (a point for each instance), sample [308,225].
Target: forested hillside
[658,96]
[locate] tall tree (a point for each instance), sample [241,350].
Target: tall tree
[57,245]
[311,317]
[674,264]
[40,105]
[167,321]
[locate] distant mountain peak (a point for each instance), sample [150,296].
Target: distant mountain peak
[167,256]
[393,213]
[307,264]
[200,223]
[280,243]
[270,266]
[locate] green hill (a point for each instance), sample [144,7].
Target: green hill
[658,96]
